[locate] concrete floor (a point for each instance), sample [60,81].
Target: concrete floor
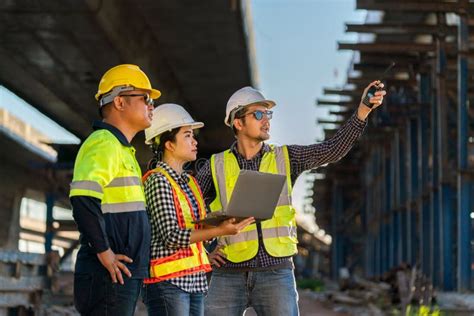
[308,307]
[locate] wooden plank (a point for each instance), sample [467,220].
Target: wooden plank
[11,256]
[400,28]
[15,299]
[363,81]
[330,102]
[388,47]
[413,6]
[348,93]
[22,284]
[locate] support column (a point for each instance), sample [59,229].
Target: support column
[423,162]
[49,234]
[414,191]
[463,219]
[337,243]
[442,164]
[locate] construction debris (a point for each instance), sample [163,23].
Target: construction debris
[404,290]
[456,303]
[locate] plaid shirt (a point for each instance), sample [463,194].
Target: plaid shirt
[301,158]
[166,236]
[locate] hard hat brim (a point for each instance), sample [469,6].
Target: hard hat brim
[194,125]
[267,103]
[155,94]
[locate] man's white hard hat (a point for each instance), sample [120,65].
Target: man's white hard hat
[242,98]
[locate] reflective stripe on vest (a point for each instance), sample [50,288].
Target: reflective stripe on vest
[87,185]
[123,207]
[124,182]
[279,232]
[253,235]
[219,163]
[188,260]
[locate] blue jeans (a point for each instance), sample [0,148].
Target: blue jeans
[268,292]
[166,299]
[95,294]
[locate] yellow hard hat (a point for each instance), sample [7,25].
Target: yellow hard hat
[126,76]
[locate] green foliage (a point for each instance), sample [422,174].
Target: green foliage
[315,285]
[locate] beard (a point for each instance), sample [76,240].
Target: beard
[263,137]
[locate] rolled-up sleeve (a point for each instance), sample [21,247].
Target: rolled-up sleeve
[163,214]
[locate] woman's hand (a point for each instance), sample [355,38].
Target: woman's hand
[230,227]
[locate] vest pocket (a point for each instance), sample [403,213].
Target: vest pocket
[239,246]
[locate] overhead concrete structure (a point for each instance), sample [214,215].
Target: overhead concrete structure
[53,53]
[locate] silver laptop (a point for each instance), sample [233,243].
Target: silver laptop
[255,194]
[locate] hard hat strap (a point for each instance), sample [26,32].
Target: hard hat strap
[234,112]
[109,97]
[157,140]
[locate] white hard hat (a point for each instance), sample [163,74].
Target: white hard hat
[242,98]
[166,117]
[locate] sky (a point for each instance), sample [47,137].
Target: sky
[296,57]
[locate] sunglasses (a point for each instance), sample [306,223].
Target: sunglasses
[146,96]
[260,114]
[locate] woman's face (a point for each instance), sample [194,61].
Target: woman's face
[185,146]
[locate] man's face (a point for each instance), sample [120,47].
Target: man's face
[253,128]
[137,112]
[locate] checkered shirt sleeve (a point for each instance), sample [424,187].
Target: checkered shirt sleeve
[312,156]
[204,178]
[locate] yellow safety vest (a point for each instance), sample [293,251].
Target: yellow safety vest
[279,232]
[107,170]
[188,260]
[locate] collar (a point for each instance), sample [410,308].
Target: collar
[265,149]
[98,125]
[176,177]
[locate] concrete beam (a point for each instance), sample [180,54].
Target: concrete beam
[413,6]
[18,79]
[387,28]
[394,47]
[140,41]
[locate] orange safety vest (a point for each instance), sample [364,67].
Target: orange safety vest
[188,260]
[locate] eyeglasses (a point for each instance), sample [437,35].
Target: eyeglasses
[146,96]
[260,114]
